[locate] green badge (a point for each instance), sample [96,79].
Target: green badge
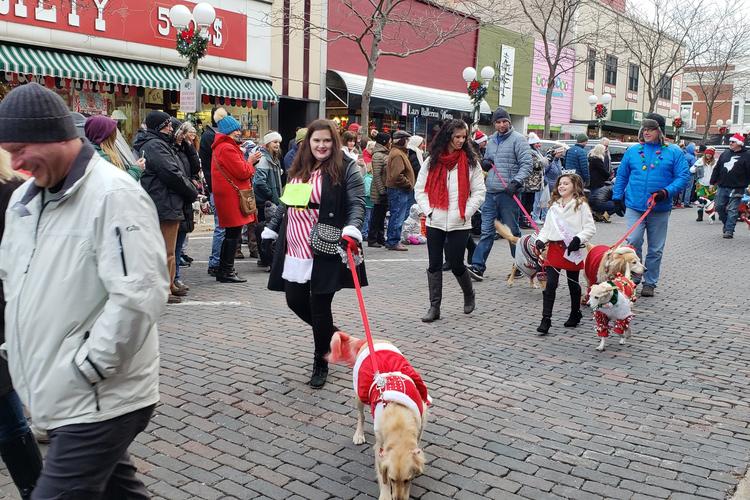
[297,195]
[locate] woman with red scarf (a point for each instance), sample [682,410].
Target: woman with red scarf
[449,189]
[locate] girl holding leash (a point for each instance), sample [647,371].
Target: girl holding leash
[568,227]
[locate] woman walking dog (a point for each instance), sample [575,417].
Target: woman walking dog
[449,189]
[322,208]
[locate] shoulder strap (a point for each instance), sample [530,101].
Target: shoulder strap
[224,174]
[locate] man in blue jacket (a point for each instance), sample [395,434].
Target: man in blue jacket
[577,159]
[650,168]
[508,155]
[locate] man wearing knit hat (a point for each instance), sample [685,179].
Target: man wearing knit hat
[732,175]
[267,188]
[651,169]
[83,246]
[507,156]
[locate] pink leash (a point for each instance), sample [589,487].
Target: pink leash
[518,202]
[649,206]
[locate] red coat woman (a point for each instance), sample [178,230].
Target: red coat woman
[230,172]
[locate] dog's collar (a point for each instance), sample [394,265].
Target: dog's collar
[615,293]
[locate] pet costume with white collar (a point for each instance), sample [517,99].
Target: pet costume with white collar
[617,309]
[403,384]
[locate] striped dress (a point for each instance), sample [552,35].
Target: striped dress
[298,263]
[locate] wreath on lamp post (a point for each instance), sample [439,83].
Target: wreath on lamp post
[600,111]
[677,122]
[192,46]
[477,92]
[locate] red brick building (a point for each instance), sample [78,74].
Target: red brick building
[694,100]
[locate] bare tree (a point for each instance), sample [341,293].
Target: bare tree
[556,23]
[664,37]
[391,28]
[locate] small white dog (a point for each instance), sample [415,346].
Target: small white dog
[612,301]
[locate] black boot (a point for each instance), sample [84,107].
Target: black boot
[319,373]
[700,215]
[575,306]
[435,287]
[226,273]
[468,289]
[24,462]
[548,302]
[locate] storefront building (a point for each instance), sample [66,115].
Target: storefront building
[413,93]
[562,93]
[120,58]
[511,55]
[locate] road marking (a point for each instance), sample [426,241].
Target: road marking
[211,303]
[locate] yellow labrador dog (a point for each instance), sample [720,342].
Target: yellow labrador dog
[398,402]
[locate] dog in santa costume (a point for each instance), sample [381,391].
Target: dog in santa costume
[612,303]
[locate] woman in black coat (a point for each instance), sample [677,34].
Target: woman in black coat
[184,138]
[310,279]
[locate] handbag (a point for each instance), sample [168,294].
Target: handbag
[325,239]
[247,198]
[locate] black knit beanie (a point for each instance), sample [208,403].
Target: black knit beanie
[500,114]
[157,120]
[31,114]
[382,138]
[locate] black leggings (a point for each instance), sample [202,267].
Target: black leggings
[454,245]
[232,233]
[553,278]
[376,231]
[315,310]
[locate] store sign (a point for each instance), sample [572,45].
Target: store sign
[412,110]
[138,21]
[505,75]
[190,95]
[562,86]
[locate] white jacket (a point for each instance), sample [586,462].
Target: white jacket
[450,220]
[579,221]
[85,280]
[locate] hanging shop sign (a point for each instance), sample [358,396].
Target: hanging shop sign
[138,21]
[412,110]
[190,95]
[504,78]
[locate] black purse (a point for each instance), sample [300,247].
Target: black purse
[325,239]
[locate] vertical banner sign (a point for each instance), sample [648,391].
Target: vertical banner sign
[505,80]
[190,95]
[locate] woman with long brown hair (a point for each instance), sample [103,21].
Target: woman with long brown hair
[329,200]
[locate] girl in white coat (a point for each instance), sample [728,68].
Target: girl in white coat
[567,229]
[449,189]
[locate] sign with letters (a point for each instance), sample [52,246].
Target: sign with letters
[413,110]
[505,73]
[190,95]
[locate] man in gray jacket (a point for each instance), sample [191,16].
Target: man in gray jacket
[507,161]
[85,280]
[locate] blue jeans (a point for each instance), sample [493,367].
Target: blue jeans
[12,422]
[655,228]
[496,206]
[727,202]
[366,223]
[688,192]
[213,260]
[540,212]
[398,204]
[181,237]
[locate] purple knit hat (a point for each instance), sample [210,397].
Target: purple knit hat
[99,127]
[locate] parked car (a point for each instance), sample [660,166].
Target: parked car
[616,149]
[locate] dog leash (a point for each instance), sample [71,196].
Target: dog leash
[649,206]
[518,202]
[378,380]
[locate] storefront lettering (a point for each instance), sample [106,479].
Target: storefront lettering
[559,89]
[49,14]
[428,112]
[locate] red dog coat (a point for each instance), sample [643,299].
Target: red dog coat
[403,384]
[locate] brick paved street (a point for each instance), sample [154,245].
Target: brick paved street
[515,415]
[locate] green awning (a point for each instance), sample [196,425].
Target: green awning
[141,75]
[237,87]
[26,60]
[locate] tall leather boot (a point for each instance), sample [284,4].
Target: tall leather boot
[700,215]
[435,287]
[226,273]
[24,462]
[548,303]
[468,289]
[575,305]
[320,372]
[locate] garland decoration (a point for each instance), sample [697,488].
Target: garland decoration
[192,46]
[655,164]
[600,111]
[677,122]
[477,92]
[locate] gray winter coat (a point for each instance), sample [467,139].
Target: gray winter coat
[267,180]
[512,159]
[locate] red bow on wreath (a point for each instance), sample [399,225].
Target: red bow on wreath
[187,35]
[474,85]
[677,122]
[600,110]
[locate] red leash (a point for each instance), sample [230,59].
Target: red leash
[649,206]
[518,202]
[379,380]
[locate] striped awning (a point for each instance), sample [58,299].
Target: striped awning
[26,60]
[236,87]
[141,75]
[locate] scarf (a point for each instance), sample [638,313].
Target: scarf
[437,180]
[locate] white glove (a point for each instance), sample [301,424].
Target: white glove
[268,234]
[693,170]
[352,232]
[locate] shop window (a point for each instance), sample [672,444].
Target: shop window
[591,70]
[610,71]
[736,113]
[633,77]
[746,112]
[665,88]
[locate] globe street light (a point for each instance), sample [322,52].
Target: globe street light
[722,129]
[599,107]
[477,90]
[192,45]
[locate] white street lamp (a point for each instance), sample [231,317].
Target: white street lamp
[606,99]
[593,100]
[487,73]
[469,74]
[180,16]
[204,15]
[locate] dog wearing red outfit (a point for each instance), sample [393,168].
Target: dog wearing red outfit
[605,263]
[398,405]
[612,301]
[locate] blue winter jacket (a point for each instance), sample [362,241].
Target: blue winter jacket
[636,180]
[511,155]
[690,154]
[577,159]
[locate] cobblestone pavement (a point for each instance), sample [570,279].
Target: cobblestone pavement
[515,415]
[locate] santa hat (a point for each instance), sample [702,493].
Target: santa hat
[479,137]
[738,138]
[710,150]
[354,127]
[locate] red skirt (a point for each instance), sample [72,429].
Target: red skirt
[556,257]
